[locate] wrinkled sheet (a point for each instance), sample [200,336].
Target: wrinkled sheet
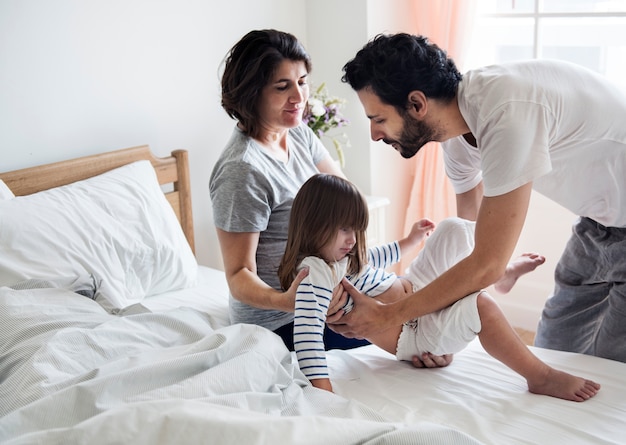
[482,397]
[72,373]
[476,394]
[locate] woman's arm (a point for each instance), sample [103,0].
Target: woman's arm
[239,255]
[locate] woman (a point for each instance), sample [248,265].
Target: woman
[270,154]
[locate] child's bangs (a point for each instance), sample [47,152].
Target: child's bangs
[353,214]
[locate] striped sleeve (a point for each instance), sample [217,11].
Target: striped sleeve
[312,299]
[373,279]
[381,257]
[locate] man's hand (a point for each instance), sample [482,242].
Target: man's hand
[428,360]
[338,301]
[366,318]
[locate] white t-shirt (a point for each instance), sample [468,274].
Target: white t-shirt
[556,124]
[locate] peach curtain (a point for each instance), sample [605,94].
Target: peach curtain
[449,24]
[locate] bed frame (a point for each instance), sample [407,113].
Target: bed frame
[172,172]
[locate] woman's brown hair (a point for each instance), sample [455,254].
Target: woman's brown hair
[324,204]
[249,66]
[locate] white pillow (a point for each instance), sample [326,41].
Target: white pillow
[117,226]
[5,192]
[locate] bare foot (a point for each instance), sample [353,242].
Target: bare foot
[527,262]
[564,386]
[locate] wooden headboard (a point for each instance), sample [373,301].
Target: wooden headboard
[172,170]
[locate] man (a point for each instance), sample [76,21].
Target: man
[547,125]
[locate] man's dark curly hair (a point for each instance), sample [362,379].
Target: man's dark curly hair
[394,65]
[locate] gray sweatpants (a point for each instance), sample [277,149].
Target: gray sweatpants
[587,312]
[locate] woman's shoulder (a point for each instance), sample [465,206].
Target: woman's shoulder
[238,147]
[240,155]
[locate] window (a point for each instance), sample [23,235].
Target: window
[591,33]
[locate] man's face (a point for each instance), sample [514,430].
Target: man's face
[403,132]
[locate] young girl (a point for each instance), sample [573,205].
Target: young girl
[327,228]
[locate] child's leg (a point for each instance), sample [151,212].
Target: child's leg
[502,342]
[525,263]
[452,241]
[387,340]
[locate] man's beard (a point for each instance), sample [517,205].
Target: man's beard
[415,134]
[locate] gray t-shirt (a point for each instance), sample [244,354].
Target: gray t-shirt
[252,191]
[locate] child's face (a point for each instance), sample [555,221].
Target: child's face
[341,246]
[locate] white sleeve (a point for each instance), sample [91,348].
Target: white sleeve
[462,163]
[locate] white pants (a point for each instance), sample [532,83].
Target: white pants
[447,331]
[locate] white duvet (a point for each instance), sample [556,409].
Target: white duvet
[72,373]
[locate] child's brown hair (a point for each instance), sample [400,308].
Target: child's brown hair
[324,204]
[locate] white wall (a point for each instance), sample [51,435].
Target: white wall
[80,77]
[333,39]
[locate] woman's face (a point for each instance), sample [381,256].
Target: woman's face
[283,99]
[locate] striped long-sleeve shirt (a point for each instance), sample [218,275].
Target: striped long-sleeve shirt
[315,293]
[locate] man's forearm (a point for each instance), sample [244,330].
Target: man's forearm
[460,281]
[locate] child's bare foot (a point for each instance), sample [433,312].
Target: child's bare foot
[523,264]
[564,386]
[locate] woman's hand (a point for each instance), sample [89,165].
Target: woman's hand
[291,292]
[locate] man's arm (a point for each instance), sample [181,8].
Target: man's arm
[499,223]
[468,203]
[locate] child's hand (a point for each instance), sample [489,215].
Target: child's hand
[420,230]
[322,384]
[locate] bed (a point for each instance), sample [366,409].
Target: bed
[110,332]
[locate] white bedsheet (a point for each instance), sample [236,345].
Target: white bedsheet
[476,394]
[482,397]
[71,373]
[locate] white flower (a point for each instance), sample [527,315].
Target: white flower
[323,114]
[317,107]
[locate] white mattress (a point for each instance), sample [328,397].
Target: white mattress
[178,373]
[475,394]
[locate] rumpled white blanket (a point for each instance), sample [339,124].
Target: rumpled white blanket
[72,373]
